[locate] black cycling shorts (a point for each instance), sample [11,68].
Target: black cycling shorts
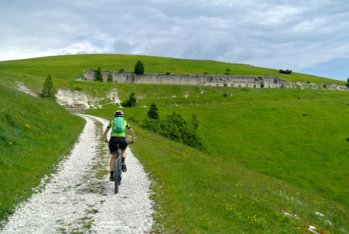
[114,141]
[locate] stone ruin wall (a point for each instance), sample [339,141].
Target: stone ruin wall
[208,80]
[190,79]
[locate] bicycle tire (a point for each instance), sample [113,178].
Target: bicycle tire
[117,172]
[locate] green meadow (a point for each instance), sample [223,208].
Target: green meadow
[30,143]
[268,152]
[275,160]
[294,135]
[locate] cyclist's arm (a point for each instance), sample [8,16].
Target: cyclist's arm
[105,134]
[132,135]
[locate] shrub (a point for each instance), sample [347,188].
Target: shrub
[110,77]
[98,76]
[77,88]
[131,101]
[151,124]
[176,128]
[121,70]
[139,68]
[47,89]
[227,71]
[287,71]
[347,84]
[195,121]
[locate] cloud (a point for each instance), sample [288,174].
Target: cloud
[278,34]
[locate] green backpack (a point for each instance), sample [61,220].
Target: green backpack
[118,125]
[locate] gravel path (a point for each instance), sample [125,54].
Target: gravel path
[79,197]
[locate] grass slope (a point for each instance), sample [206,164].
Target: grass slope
[270,151]
[264,157]
[31,143]
[197,192]
[299,136]
[71,67]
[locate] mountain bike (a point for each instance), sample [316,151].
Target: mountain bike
[117,170]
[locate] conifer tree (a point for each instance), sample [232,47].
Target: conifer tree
[153,112]
[139,68]
[47,89]
[99,76]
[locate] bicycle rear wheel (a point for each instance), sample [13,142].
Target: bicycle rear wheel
[117,172]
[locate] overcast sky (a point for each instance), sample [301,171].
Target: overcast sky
[310,36]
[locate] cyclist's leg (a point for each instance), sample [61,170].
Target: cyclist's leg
[112,164]
[123,162]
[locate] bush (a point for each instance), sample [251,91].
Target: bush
[47,89]
[227,71]
[131,101]
[110,77]
[77,88]
[139,68]
[176,128]
[347,84]
[285,71]
[121,70]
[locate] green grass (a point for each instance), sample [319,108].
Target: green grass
[294,135]
[269,151]
[31,143]
[71,67]
[198,192]
[259,138]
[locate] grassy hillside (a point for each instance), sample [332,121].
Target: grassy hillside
[31,143]
[71,67]
[294,135]
[198,192]
[275,161]
[288,141]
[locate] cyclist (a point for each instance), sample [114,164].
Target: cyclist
[118,137]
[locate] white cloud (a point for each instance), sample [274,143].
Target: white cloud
[291,34]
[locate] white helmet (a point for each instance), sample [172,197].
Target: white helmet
[119,113]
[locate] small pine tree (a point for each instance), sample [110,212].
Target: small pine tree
[47,89]
[99,76]
[139,68]
[153,112]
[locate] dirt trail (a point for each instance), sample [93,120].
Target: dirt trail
[79,197]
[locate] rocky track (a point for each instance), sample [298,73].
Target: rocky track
[79,198]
